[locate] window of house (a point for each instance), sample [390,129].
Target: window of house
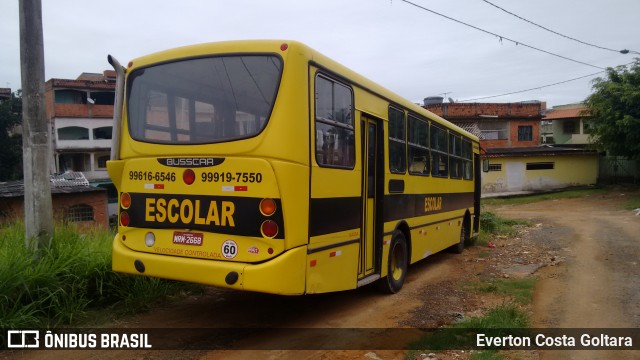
[80,212]
[540,166]
[335,140]
[102,133]
[525,133]
[493,130]
[74,162]
[101,161]
[419,159]
[397,142]
[73,133]
[569,127]
[495,167]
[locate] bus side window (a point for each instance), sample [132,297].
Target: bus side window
[335,140]
[397,142]
[439,152]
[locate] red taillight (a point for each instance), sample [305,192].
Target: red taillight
[189,176]
[267,207]
[125,200]
[269,228]
[284,47]
[124,218]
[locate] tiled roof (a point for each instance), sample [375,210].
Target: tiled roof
[564,114]
[13,189]
[82,84]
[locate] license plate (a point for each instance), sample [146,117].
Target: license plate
[187,238]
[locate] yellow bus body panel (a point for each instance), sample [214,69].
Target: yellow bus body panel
[274,276]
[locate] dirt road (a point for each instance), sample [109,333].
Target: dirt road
[599,284]
[587,251]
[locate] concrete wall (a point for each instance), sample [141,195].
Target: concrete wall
[568,170]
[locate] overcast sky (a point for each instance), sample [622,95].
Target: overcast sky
[412,52]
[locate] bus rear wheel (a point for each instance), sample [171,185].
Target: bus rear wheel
[459,247]
[396,265]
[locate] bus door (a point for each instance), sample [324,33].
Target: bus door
[370,166]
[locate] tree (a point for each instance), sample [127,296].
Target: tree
[614,108]
[10,141]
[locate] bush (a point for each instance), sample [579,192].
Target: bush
[60,284]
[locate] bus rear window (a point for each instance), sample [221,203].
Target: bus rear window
[203,101]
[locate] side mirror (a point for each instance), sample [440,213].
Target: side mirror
[485,165]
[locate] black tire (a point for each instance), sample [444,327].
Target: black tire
[459,247]
[396,265]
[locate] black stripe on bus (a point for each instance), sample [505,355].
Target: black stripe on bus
[327,247]
[405,206]
[331,215]
[147,212]
[426,224]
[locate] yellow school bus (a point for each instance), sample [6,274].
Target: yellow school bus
[266,166]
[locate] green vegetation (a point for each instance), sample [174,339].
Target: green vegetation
[502,320]
[568,194]
[614,108]
[520,290]
[633,203]
[71,279]
[506,316]
[493,225]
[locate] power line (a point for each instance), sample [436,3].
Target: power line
[500,36]
[535,88]
[543,86]
[555,32]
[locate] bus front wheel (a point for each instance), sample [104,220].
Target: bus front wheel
[396,265]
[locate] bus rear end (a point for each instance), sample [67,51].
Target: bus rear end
[196,203]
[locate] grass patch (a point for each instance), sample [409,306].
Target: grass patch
[502,320]
[568,194]
[520,290]
[493,224]
[633,203]
[69,280]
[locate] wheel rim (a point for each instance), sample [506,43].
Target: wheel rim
[397,262]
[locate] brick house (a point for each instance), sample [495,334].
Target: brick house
[510,141]
[83,205]
[498,125]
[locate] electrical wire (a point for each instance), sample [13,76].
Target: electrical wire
[535,88]
[551,31]
[541,87]
[500,36]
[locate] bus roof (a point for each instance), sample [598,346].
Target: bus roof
[313,56]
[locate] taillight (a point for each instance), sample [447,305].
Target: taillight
[269,228]
[189,176]
[267,207]
[125,200]
[124,218]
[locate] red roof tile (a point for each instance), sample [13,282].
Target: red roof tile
[564,114]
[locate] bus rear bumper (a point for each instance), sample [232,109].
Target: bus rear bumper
[282,275]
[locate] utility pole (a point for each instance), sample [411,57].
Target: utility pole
[38,213]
